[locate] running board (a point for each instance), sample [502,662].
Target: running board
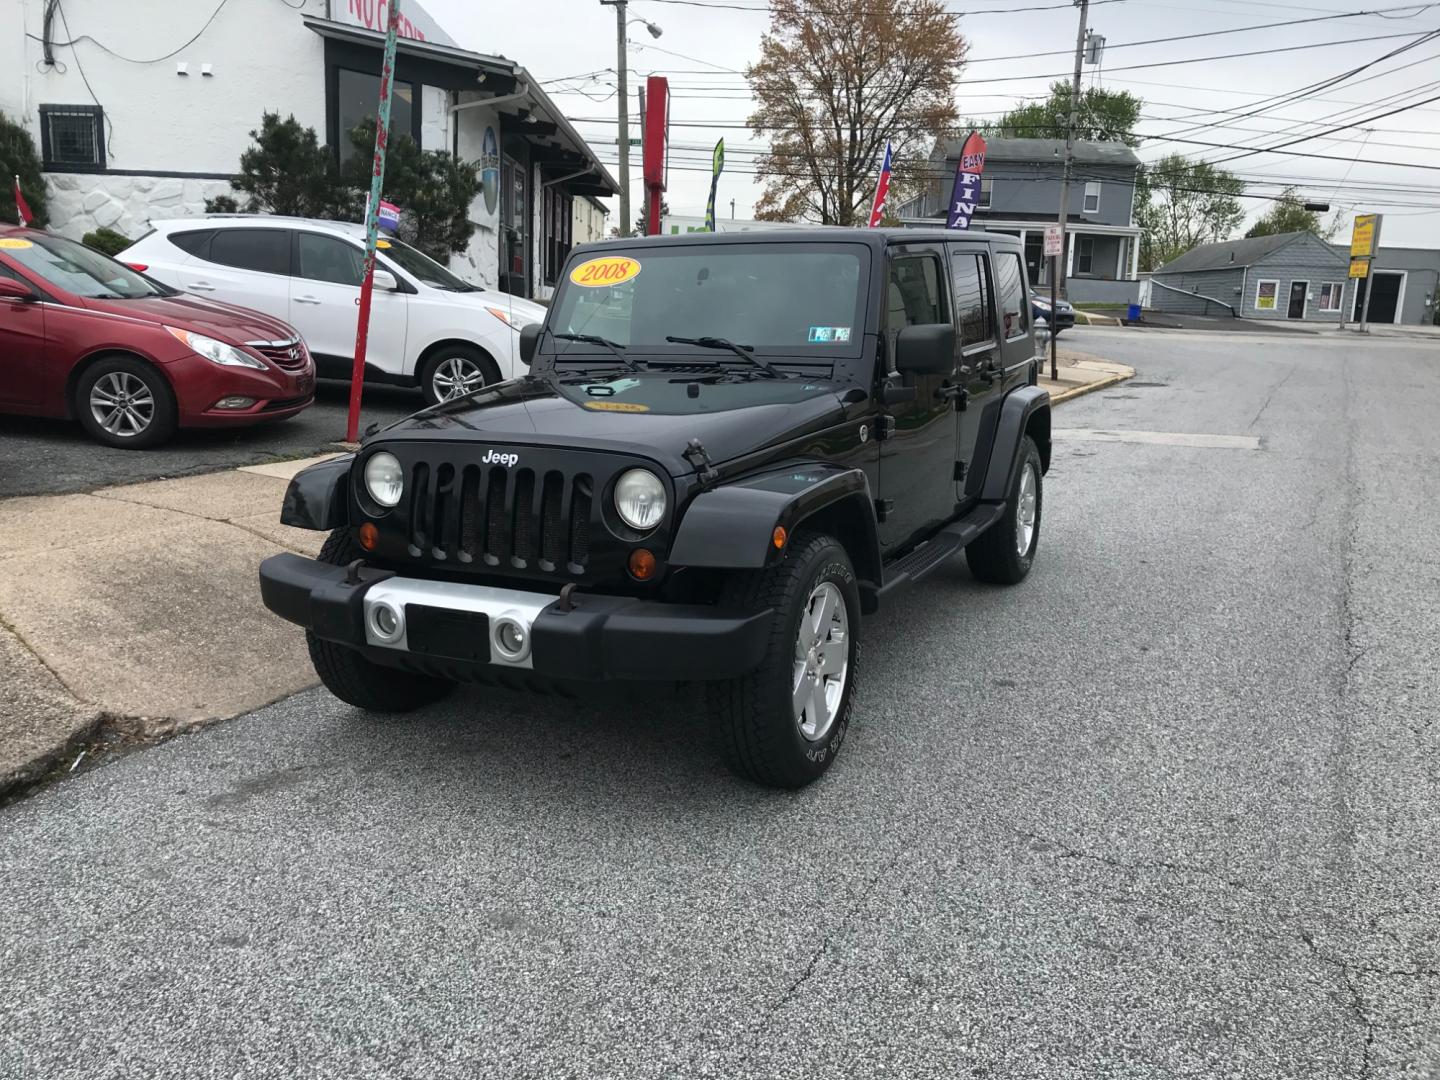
[925,558]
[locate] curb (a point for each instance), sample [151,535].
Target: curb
[1095,319]
[1088,388]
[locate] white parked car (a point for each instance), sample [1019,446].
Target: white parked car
[427,326]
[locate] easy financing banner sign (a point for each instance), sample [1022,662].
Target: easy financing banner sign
[966,194]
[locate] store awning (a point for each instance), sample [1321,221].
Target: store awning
[527,110]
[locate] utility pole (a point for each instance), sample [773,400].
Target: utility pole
[1084,6]
[623,98]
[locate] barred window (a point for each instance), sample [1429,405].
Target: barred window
[72,136]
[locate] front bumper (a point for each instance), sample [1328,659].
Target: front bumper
[599,638]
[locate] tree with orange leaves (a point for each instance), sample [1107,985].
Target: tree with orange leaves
[834,82]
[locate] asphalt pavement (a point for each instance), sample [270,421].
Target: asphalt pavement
[51,457]
[1166,809]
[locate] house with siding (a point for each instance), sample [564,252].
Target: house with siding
[1287,276]
[1405,281]
[1020,195]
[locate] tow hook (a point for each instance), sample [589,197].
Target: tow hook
[352,572]
[566,603]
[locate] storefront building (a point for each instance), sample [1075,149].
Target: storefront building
[129,132]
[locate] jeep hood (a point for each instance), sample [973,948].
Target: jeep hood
[652,414]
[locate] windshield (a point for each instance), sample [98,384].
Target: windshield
[421,266]
[77,269]
[798,300]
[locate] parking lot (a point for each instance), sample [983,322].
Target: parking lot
[50,457]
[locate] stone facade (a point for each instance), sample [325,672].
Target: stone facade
[83,202]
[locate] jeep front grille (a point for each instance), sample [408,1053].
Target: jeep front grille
[496,516]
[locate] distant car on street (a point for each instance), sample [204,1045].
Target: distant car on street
[86,337]
[1063,317]
[428,327]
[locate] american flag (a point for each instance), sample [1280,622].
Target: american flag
[882,189]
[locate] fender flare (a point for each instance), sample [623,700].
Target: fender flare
[1024,410]
[731,527]
[318,497]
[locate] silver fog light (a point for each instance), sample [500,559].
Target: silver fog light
[386,622]
[511,638]
[384,479]
[640,499]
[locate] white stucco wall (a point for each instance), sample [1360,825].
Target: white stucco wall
[588,224]
[481,262]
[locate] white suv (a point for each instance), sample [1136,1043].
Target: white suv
[427,326]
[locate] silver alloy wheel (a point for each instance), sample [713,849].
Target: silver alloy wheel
[455,376]
[1025,510]
[122,404]
[822,661]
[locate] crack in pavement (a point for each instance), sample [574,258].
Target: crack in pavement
[1071,852]
[202,517]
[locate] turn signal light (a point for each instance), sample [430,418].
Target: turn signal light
[642,564]
[778,537]
[369,536]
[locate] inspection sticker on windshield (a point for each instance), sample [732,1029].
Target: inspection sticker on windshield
[829,335]
[11,243]
[382,244]
[611,270]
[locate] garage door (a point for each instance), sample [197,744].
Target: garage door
[1386,301]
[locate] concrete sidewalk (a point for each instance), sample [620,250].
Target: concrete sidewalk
[1080,373]
[133,612]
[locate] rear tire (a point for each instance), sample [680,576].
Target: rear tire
[456,370]
[122,401]
[354,679]
[812,658]
[1003,553]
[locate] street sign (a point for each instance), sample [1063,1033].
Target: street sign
[1053,240]
[632,142]
[1362,237]
[1359,268]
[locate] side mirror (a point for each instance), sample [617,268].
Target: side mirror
[10,289]
[529,341]
[384,279]
[927,349]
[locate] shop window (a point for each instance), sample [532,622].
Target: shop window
[1331,293]
[1092,197]
[357,99]
[559,217]
[1265,293]
[72,137]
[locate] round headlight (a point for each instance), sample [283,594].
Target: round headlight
[384,479]
[640,499]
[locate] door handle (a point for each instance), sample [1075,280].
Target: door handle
[307,299]
[200,286]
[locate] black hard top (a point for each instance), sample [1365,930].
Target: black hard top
[820,234]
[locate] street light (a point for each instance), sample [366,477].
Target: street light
[623,107]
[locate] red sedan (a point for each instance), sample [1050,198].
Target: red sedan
[84,336]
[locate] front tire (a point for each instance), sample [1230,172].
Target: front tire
[454,371]
[354,679]
[1003,553]
[783,724]
[123,402]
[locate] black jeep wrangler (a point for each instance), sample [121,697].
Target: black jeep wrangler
[729,449]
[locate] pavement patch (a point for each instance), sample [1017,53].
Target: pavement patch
[1159,438]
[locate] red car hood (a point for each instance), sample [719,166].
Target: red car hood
[235,325]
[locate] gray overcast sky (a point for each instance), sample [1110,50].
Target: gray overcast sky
[560,38]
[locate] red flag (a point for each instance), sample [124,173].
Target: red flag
[882,189]
[22,208]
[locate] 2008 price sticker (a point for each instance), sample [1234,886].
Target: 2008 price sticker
[610,270]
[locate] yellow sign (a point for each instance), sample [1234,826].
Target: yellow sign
[1362,238]
[14,243]
[382,244]
[1359,268]
[617,406]
[610,270]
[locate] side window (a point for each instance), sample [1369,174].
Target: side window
[194,242]
[324,258]
[264,250]
[914,295]
[973,311]
[1010,288]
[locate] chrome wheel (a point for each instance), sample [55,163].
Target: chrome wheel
[822,661]
[122,404]
[1025,509]
[455,376]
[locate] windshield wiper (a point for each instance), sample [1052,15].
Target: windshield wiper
[742,351]
[596,339]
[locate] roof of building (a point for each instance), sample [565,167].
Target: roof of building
[1230,254]
[1089,153]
